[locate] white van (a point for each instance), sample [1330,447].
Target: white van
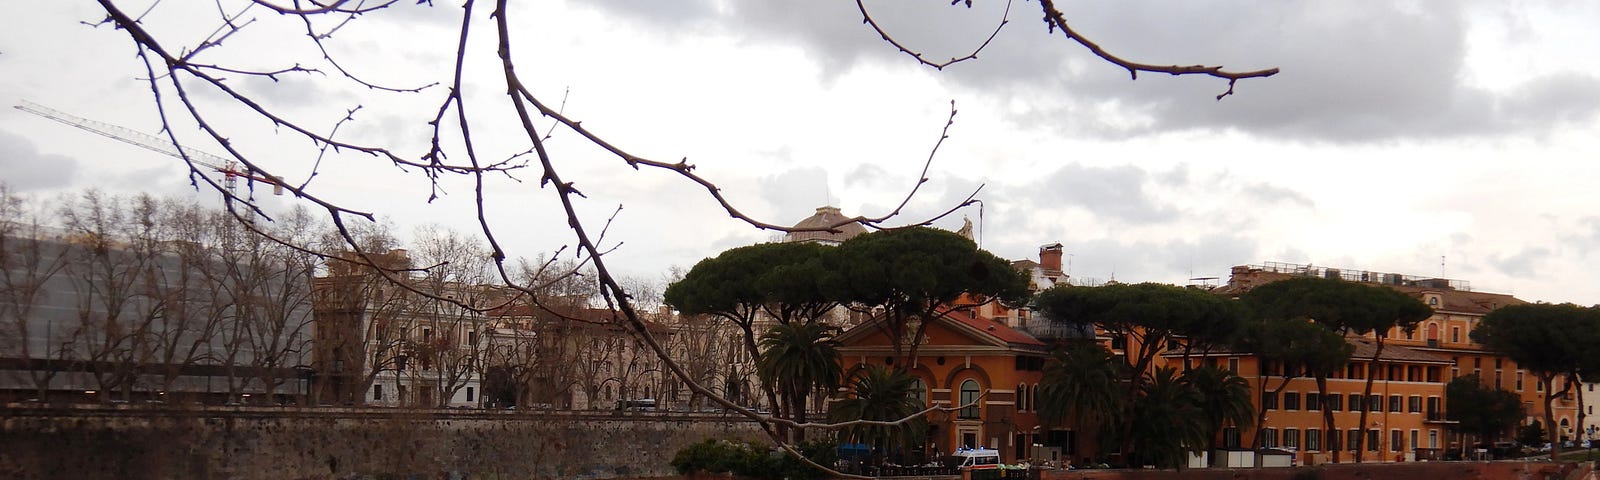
[975,458]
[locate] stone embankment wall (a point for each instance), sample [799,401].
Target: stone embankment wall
[265,443]
[1374,471]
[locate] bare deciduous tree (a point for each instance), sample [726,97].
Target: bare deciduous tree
[30,260]
[179,69]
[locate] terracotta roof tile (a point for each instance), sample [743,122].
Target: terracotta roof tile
[999,330]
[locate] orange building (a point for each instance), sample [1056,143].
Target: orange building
[1404,412]
[1415,367]
[964,359]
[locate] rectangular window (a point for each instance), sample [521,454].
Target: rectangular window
[1352,439]
[1455,334]
[1334,440]
[1433,439]
[1314,402]
[1335,403]
[1233,365]
[1415,404]
[1396,441]
[1395,403]
[1538,385]
[1435,412]
[1291,401]
[1313,439]
[469,393]
[1230,437]
[1372,440]
[1291,438]
[1374,403]
[1414,439]
[1519,382]
[1269,437]
[1270,401]
[1499,379]
[377,392]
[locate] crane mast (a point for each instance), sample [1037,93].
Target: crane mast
[227,167]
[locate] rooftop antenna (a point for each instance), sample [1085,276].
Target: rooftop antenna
[1441,266]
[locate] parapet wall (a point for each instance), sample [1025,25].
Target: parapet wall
[1504,470]
[249,443]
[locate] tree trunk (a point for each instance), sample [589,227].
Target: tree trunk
[1327,415]
[1372,371]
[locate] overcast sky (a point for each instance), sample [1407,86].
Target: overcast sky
[1426,138]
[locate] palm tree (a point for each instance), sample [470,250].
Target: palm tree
[1082,385]
[798,359]
[879,393]
[1167,420]
[1224,399]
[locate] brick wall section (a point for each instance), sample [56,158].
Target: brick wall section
[1382,471]
[250,443]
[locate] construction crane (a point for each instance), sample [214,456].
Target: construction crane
[227,167]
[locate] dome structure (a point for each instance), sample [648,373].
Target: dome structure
[825,217]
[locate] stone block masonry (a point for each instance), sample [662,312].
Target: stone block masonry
[267,443]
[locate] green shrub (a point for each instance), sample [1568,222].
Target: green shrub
[754,461]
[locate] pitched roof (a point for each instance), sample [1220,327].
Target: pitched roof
[1365,347]
[983,329]
[827,216]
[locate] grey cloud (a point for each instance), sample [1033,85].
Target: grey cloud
[1111,192]
[1275,195]
[1350,73]
[865,174]
[1586,237]
[285,91]
[1521,264]
[795,194]
[27,169]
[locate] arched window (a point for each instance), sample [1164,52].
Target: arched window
[919,391]
[1033,397]
[969,395]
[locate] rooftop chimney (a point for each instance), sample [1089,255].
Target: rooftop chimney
[1050,257]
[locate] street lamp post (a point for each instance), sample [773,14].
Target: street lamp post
[1593,434]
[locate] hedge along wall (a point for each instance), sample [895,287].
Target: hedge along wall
[247,443]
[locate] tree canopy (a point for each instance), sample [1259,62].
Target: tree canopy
[918,273]
[1346,308]
[739,282]
[1549,340]
[1482,411]
[1149,316]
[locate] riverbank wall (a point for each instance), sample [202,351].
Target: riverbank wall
[91,442]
